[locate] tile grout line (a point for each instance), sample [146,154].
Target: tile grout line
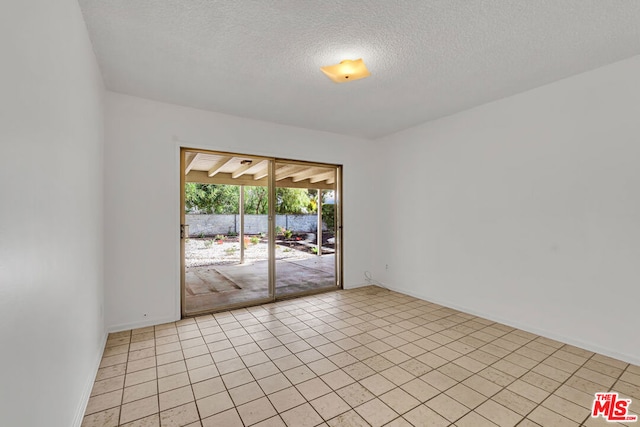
[474,373]
[322,323]
[415,377]
[250,373]
[556,389]
[184,357]
[126,368]
[452,361]
[610,388]
[155,352]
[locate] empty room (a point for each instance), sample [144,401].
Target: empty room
[319,213]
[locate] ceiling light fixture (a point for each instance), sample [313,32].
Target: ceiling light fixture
[346,70]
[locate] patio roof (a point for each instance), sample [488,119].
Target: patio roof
[252,171]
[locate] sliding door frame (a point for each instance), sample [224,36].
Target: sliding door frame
[271,186]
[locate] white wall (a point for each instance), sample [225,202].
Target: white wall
[51,287]
[529,210]
[142,217]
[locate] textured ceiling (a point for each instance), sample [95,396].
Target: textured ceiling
[428,58]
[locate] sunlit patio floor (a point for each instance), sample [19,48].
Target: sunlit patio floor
[212,286]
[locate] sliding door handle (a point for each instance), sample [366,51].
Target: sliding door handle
[184,231]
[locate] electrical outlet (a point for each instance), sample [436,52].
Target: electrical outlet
[386,266]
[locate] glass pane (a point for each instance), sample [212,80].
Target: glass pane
[226,255]
[305,228]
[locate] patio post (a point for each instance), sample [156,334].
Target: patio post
[241,235]
[319,232]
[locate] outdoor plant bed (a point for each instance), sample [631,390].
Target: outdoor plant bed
[301,242]
[204,251]
[223,249]
[231,239]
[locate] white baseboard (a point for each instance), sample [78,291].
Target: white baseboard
[141,324]
[168,319]
[354,286]
[633,359]
[86,393]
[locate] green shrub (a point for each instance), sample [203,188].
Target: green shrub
[329,216]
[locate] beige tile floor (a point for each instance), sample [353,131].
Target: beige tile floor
[362,357]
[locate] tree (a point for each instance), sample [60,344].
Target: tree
[212,198]
[292,200]
[224,199]
[256,200]
[288,200]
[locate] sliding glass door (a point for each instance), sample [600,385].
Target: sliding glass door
[254,229]
[305,233]
[225,242]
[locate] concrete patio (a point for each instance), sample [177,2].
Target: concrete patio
[211,286]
